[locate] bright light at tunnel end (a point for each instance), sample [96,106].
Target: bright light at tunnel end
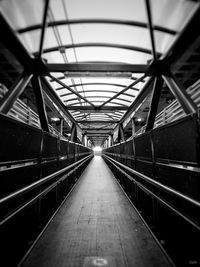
[97,149]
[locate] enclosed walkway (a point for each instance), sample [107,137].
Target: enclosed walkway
[96,226]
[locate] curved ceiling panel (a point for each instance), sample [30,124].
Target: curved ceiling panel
[98,32]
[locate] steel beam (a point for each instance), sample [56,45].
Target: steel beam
[71,90]
[97,131]
[90,62]
[74,137]
[97,122]
[11,42]
[140,97]
[150,26]
[98,67]
[101,135]
[124,90]
[15,91]
[121,133]
[180,94]
[97,101]
[97,109]
[154,102]
[52,94]
[40,103]
[44,24]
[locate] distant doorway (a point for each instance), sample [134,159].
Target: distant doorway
[97,151]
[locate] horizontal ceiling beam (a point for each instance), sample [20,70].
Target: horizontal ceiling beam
[97,130]
[95,138]
[79,102]
[100,136]
[98,67]
[112,112]
[97,122]
[103,109]
[92,62]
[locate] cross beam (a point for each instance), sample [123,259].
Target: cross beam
[97,67]
[97,109]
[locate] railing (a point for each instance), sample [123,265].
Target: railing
[37,184]
[171,191]
[174,111]
[194,92]
[170,212]
[169,114]
[25,114]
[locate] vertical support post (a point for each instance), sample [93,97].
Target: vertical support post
[133,127]
[61,126]
[40,103]
[120,134]
[111,140]
[107,144]
[85,140]
[158,82]
[74,134]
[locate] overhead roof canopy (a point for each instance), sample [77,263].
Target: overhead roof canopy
[106,33]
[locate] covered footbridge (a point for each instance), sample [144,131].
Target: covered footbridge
[99,133]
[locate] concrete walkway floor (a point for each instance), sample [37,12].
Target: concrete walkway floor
[96,226]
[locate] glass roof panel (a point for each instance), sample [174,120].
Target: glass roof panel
[111,54]
[172,14]
[112,9]
[119,34]
[57,57]
[22,13]
[120,81]
[32,39]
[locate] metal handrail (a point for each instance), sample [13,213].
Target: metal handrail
[44,191]
[141,186]
[157,184]
[28,188]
